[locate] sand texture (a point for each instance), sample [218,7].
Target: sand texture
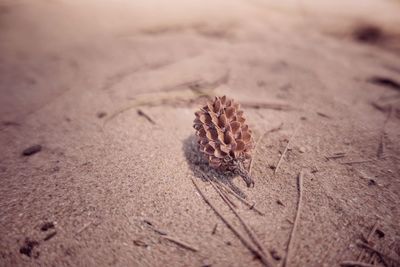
[99,162]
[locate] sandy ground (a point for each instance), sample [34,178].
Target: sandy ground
[73,76]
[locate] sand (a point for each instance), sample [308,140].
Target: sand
[108,181]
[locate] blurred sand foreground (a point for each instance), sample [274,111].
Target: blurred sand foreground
[108,89]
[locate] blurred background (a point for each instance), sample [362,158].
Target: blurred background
[61,43]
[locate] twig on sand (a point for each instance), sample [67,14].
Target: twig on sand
[385,257]
[169,238]
[171,98]
[244,241]
[214,230]
[84,227]
[147,117]
[382,145]
[392,247]
[265,105]
[160,232]
[180,243]
[355,264]
[356,161]
[50,236]
[275,129]
[299,205]
[284,151]
[223,196]
[381,107]
[324,115]
[336,155]
[369,237]
[245,226]
[241,199]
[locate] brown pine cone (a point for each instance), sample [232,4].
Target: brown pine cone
[224,137]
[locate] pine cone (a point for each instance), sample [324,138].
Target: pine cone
[224,137]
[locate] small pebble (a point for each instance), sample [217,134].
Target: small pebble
[380,233]
[46,226]
[101,114]
[31,150]
[275,255]
[302,149]
[28,246]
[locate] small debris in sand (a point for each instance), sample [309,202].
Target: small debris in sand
[46,226]
[266,105]
[147,117]
[50,236]
[357,161]
[10,123]
[381,107]
[140,243]
[160,232]
[324,115]
[261,83]
[101,114]
[214,230]
[370,179]
[147,222]
[289,221]
[55,169]
[385,81]
[286,148]
[279,202]
[336,155]
[180,243]
[380,233]
[275,255]
[368,34]
[31,150]
[84,227]
[28,247]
